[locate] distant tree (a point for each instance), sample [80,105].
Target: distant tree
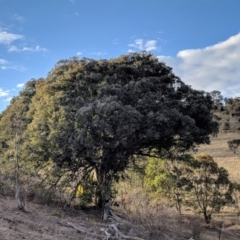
[212,187]
[97,115]
[198,182]
[232,105]
[217,99]
[233,144]
[237,108]
[228,101]
[225,126]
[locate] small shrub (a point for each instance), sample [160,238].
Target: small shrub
[216,117]
[225,126]
[233,144]
[57,214]
[157,220]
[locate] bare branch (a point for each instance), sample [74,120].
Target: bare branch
[77,228]
[113,227]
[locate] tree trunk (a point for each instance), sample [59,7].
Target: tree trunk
[207,217]
[104,193]
[106,198]
[106,207]
[20,200]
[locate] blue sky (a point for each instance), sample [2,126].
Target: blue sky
[200,39]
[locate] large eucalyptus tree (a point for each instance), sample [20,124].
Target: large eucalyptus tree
[99,114]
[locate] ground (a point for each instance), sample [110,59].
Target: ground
[55,223]
[45,222]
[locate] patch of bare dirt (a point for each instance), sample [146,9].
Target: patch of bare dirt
[46,222]
[55,223]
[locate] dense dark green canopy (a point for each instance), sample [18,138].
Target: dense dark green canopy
[98,114]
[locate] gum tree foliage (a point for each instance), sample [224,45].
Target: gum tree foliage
[211,185]
[171,178]
[157,179]
[217,99]
[232,105]
[197,182]
[233,144]
[97,114]
[13,123]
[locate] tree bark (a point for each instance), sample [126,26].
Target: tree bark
[207,217]
[104,193]
[20,199]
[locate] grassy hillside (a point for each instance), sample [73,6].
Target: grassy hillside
[218,148]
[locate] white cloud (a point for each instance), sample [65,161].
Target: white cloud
[18,18]
[4,93]
[8,99]
[8,38]
[13,49]
[151,45]
[36,49]
[115,41]
[4,65]
[212,68]
[140,45]
[3,61]
[27,49]
[20,85]
[14,67]
[79,53]
[98,53]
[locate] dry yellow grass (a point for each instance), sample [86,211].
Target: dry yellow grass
[218,149]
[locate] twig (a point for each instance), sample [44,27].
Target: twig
[118,219]
[112,226]
[115,217]
[84,230]
[77,228]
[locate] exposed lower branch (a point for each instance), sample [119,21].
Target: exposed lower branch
[113,227]
[113,234]
[77,228]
